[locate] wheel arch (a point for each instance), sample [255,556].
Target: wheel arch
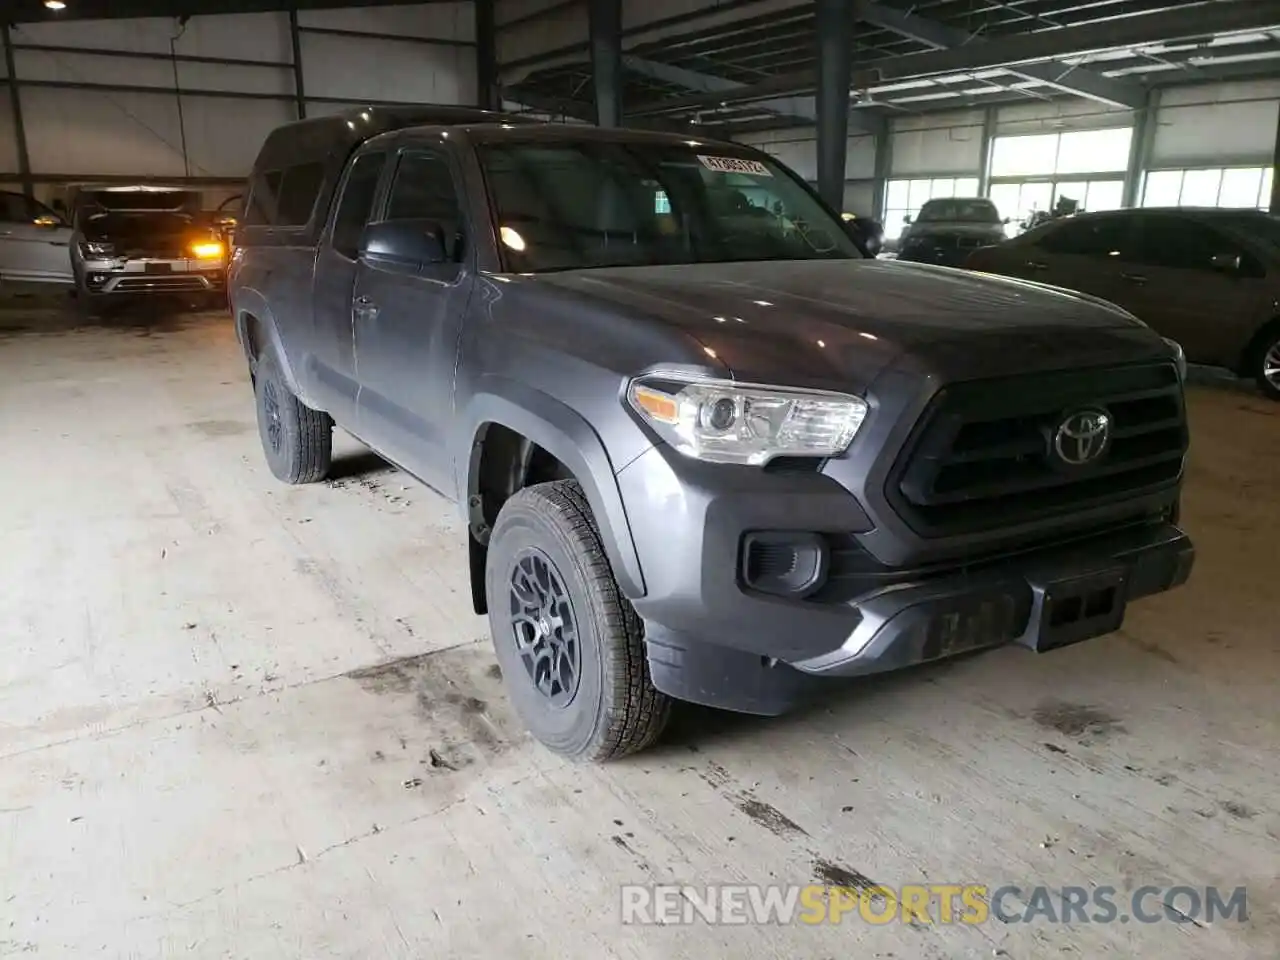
[524,436]
[258,332]
[1259,340]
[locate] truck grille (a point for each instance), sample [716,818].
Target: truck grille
[984,454]
[135,283]
[155,251]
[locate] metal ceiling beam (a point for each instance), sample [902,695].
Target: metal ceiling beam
[799,109]
[1061,76]
[33,12]
[796,108]
[1180,23]
[550,105]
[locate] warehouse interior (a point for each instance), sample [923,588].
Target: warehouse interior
[244,719]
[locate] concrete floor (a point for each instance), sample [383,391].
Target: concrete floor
[244,720]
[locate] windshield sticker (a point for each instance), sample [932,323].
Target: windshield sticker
[735,165]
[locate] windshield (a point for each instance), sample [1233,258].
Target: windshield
[965,211]
[122,226]
[567,206]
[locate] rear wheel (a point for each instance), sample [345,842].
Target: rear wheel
[1267,365]
[297,441]
[570,645]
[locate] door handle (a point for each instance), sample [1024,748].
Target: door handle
[1137,278]
[1036,265]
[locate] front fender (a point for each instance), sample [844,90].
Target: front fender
[563,433]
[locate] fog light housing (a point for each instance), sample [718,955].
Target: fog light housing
[784,563]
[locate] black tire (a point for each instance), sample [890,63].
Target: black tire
[212,303]
[297,441]
[613,709]
[90,306]
[1267,358]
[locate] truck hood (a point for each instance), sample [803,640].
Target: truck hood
[842,322]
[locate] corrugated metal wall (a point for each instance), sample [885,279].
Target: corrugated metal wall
[106,114]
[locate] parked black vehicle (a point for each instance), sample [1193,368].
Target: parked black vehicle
[144,240]
[867,231]
[704,448]
[947,230]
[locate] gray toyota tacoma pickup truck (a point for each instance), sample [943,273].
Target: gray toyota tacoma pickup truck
[704,448]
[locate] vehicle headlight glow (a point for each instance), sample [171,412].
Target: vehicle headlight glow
[207,250]
[721,421]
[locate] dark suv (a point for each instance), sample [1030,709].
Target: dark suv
[705,449]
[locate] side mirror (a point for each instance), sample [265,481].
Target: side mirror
[907,218]
[1226,262]
[404,243]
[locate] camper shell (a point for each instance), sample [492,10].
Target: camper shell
[300,165]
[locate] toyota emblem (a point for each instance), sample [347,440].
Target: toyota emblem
[1082,437]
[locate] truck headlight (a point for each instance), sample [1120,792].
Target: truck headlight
[95,248]
[722,421]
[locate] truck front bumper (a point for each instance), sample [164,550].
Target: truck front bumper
[119,275]
[712,639]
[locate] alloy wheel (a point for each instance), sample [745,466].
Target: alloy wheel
[1271,365]
[543,625]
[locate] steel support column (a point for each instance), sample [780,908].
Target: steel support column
[15,109]
[1144,135]
[1275,171]
[605,24]
[299,87]
[835,62]
[883,169]
[989,118]
[486,56]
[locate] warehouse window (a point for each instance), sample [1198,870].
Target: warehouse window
[1032,173]
[1209,187]
[904,198]
[1019,200]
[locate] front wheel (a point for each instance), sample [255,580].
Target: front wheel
[570,645]
[1267,366]
[297,441]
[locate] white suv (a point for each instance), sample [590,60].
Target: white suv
[34,241]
